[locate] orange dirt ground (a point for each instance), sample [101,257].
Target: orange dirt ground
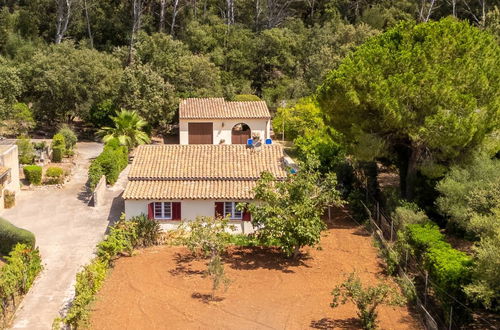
[163,288]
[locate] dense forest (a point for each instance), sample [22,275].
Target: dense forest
[408,85]
[84,59]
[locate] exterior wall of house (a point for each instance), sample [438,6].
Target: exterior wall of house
[190,209]
[223,128]
[9,157]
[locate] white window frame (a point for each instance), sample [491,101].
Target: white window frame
[233,214]
[163,211]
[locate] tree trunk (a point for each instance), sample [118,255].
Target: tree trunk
[63,14]
[87,19]
[296,252]
[136,25]
[411,171]
[174,15]
[161,27]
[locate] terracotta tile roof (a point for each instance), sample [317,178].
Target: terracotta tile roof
[218,108]
[190,189]
[206,161]
[200,171]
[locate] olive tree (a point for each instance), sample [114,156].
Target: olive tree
[290,211]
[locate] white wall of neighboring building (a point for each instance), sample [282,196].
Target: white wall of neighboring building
[9,157]
[190,209]
[223,128]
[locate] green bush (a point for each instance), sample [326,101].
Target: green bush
[11,235]
[88,283]
[9,199]
[112,160]
[26,150]
[70,138]
[422,236]
[55,175]
[148,232]
[17,275]
[33,173]
[58,147]
[122,239]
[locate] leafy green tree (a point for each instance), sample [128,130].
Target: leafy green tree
[290,211]
[25,149]
[65,82]
[11,87]
[22,120]
[303,124]
[366,299]
[128,129]
[208,238]
[70,138]
[426,93]
[144,91]
[100,114]
[470,194]
[192,75]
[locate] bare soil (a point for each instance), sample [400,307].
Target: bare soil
[163,287]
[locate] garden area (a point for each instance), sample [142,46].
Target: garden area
[47,162]
[165,285]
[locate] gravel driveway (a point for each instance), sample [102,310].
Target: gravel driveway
[66,230]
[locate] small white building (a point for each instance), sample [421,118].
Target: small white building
[216,121]
[9,169]
[170,183]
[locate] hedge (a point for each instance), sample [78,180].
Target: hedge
[449,269]
[11,235]
[55,174]
[58,148]
[17,275]
[112,160]
[33,173]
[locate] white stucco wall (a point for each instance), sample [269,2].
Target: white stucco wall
[190,209]
[9,157]
[223,128]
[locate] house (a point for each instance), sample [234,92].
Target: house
[9,169]
[173,182]
[216,121]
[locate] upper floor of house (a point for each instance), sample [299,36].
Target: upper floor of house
[217,121]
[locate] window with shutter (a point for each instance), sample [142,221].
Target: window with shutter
[162,210]
[231,210]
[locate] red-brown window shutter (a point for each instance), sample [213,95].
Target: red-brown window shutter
[151,214]
[219,209]
[176,211]
[246,215]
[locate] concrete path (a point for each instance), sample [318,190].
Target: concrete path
[66,230]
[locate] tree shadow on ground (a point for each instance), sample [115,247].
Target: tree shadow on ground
[183,262]
[328,323]
[249,258]
[206,298]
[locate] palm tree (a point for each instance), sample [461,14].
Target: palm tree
[128,129]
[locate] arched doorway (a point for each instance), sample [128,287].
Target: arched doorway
[240,133]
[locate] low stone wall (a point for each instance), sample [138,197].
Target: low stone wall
[98,194]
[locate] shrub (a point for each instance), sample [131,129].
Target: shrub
[70,138]
[58,154]
[33,173]
[408,214]
[88,283]
[9,199]
[121,239]
[112,160]
[58,147]
[26,150]
[148,232]
[55,175]
[11,235]
[17,275]
[422,236]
